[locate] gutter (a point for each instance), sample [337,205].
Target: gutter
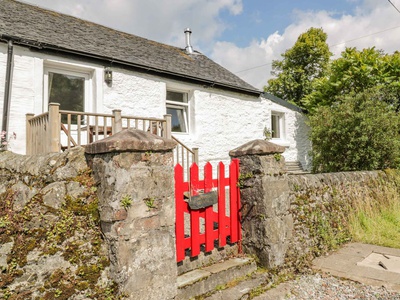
[284,103]
[7,90]
[44,46]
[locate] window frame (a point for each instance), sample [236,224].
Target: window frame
[280,116]
[72,71]
[185,105]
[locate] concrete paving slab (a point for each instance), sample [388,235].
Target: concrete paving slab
[354,261]
[340,261]
[382,262]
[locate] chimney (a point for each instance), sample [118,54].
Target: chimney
[189,48]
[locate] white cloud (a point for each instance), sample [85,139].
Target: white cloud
[343,31]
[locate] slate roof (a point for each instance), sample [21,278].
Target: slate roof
[47,30]
[282,102]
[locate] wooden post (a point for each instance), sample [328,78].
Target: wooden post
[117,125]
[54,127]
[167,127]
[195,155]
[28,134]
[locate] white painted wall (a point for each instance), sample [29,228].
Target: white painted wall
[224,121]
[219,121]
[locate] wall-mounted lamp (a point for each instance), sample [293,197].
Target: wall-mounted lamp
[108,76]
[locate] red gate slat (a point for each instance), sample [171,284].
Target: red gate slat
[209,216]
[233,202]
[195,214]
[221,205]
[179,214]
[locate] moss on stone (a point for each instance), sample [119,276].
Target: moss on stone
[72,232]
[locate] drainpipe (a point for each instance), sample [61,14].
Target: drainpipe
[7,89]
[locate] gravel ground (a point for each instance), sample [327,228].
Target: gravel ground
[323,287]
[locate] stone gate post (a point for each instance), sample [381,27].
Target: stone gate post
[135,173]
[266,221]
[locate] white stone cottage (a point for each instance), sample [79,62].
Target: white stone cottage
[47,56]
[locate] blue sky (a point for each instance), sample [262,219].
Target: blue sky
[262,18]
[245,36]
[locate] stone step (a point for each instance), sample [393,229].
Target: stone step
[206,279]
[241,290]
[294,167]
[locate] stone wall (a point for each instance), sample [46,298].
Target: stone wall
[266,221]
[50,243]
[289,219]
[321,205]
[93,225]
[136,204]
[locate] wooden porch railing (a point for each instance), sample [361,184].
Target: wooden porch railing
[185,156]
[58,130]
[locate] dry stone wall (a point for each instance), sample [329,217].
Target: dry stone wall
[50,243]
[290,219]
[321,205]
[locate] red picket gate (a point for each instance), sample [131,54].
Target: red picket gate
[217,225]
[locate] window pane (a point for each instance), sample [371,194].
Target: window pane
[178,119]
[68,91]
[176,96]
[275,126]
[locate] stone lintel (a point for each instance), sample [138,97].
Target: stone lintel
[256,147]
[131,140]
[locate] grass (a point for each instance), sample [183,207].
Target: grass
[376,218]
[379,227]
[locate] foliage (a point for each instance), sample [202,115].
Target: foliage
[126,201]
[354,72]
[267,134]
[358,132]
[376,219]
[4,141]
[149,202]
[301,65]
[243,178]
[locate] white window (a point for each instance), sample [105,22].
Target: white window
[177,107]
[69,88]
[278,125]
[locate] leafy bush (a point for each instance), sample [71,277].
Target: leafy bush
[357,132]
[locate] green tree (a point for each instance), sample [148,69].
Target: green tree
[357,132]
[301,65]
[356,71]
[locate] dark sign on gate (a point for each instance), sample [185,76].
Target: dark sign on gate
[203,200]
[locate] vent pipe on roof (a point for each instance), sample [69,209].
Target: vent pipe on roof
[189,48]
